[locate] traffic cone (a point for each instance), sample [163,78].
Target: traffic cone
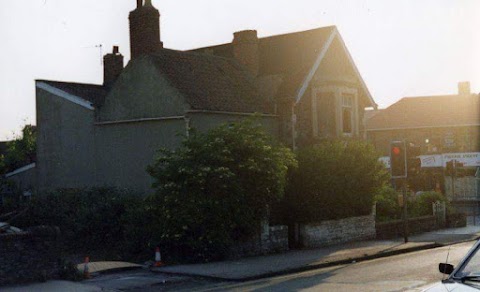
[86,272]
[158,258]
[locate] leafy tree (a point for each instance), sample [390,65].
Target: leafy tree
[215,189]
[20,152]
[335,179]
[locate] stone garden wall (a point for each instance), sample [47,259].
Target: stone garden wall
[334,232]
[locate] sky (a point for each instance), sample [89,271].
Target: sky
[401,48]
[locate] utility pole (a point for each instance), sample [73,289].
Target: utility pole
[405,212]
[454,174]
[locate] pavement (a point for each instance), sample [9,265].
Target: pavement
[301,260]
[103,267]
[258,267]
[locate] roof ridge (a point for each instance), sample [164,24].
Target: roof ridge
[443,95]
[193,53]
[269,37]
[69,82]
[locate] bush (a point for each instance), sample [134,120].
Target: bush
[387,204]
[422,204]
[215,189]
[90,220]
[334,180]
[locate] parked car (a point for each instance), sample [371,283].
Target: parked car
[465,277]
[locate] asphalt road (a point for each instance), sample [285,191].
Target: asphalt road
[407,272]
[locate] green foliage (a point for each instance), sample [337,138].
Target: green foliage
[334,180]
[422,204]
[89,220]
[215,189]
[387,204]
[20,152]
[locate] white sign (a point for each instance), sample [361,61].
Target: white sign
[431,160]
[471,159]
[468,159]
[385,160]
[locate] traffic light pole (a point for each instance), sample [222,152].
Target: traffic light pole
[454,174]
[405,213]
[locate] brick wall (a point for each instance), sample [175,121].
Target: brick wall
[271,239]
[29,256]
[337,231]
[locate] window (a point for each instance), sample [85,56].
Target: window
[347,114]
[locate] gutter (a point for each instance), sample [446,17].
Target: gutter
[229,113]
[139,120]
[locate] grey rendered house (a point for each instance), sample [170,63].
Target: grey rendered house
[303,86]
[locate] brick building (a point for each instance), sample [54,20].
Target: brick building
[447,128]
[303,85]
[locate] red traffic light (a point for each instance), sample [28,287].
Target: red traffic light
[396,150]
[398,166]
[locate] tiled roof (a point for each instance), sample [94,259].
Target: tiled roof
[291,55]
[283,54]
[210,82]
[428,111]
[90,92]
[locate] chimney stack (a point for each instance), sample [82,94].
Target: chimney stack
[112,67]
[245,50]
[464,88]
[144,29]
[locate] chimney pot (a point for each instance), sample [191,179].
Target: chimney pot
[245,50]
[112,67]
[245,36]
[139,3]
[144,30]
[464,88]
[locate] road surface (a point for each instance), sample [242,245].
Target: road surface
[407,272]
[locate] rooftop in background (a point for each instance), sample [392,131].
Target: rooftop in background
[90,92]
[429,112]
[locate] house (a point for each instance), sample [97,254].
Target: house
[447,128]
[302,86]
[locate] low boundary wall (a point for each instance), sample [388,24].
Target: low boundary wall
[339,231]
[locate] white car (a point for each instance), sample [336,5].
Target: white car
[465,277]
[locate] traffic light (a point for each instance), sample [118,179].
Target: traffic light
[414,163]
[398,159]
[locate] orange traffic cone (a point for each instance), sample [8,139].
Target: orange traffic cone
[158,258]
[86,272]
